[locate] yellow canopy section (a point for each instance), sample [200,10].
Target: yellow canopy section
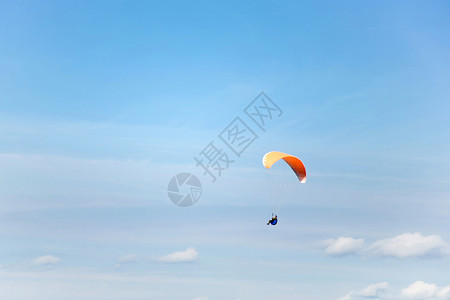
[294,162]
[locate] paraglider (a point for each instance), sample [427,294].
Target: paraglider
[294,163]
[273,221]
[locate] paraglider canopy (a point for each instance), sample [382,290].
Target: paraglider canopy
[294,162]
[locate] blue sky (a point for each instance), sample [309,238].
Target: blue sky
[103,102]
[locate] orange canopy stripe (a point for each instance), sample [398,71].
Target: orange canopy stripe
[294,162]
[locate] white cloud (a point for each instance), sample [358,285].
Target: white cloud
[419,290]
[409,245]
[343,245]
[46,260]
[401,246]
[188,255]
[444,293]
[422,290]
[200,298]
[373,291]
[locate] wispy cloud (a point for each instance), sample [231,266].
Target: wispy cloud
[72,180]
[410,245]
[373,291]
[401,246]
[418,290]
[188,255]
[343,246]
[82,283]
[126,259]
[46,260]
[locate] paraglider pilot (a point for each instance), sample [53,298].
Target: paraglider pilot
[273,221]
